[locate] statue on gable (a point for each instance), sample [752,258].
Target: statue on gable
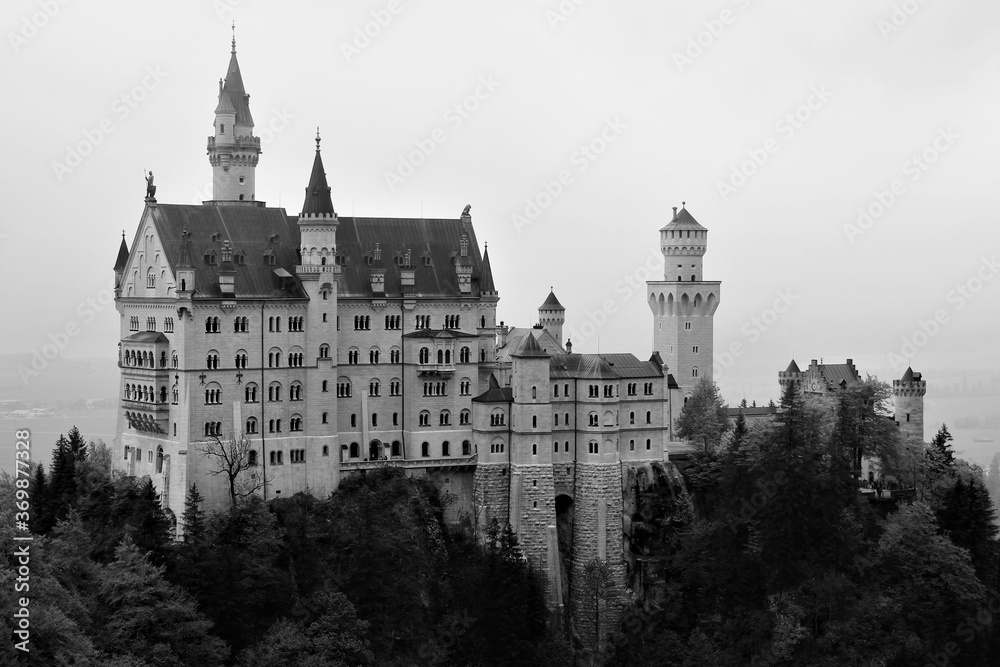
[150,188]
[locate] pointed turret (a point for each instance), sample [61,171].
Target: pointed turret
[120,264]
[233,151]
[318,200]
[318,225]
[792,367]
[486,287]
[552,316]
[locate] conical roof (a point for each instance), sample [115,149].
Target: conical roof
[793,368]
[122,255]
[908,375]
[486,281]
[683,220]
[551,303]
[531,348]
[318,201]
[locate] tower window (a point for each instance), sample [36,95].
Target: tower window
[687,326]
[242,180]
[222,128]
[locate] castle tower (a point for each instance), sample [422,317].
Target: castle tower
[552,316]
[684,304]
[120,265]
[908,397]
[318,272]
[233,151]
[532,489]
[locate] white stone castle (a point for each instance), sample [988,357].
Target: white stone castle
[338,344]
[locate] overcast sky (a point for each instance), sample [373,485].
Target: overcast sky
[777,122]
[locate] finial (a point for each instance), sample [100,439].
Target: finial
[234,38]
[683,204]
[123,235]
[317,138]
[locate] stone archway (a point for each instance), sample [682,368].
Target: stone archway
[375,450]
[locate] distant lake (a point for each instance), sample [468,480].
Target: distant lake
[93,424]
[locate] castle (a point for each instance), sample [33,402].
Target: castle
[338,344]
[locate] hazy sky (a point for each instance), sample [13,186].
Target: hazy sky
[775,121]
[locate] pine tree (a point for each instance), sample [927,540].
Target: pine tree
[41,515]
[942,444]
[194,517]
[703,418]
[149,527]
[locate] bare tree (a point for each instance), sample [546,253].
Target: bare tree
[236,458]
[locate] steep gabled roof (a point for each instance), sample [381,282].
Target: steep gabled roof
[257,231]
[432,242]
[837,373]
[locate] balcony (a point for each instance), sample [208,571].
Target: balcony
[422,462]
[436,370]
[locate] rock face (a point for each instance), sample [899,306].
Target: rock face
[614,512]
[654,496]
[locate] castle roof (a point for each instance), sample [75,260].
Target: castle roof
[551,303]
[146,337]
[793,368]
[530,348]
[838,374]
[233,97]
[515,338]
[495,393]
[431,243]
[256,231]
[733,413]
[317,200]
[122,255]
[683,220]
[910,376]
[439,334]
[603,366]
[486,283]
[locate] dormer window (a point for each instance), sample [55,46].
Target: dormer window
[269,257]
[341,259]
[426,259]
[240,259]
[210,258]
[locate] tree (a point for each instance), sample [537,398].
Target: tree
[599,591]
[232,458]
[864,428]
[140,613]
[331,636]
[703,418]
[942,445]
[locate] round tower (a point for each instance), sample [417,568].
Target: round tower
[233,151]
[684,303]
[908,397]
[552,316]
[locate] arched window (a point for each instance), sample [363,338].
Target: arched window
[212,361]
[343,387]
[373,355]
[352,355]
[534,421]
[396,448]
[324,351]
[445,448]
[354,450]
[425,418]
[464,417]
[464,355]
[440,356]
[374,388]
[649,417]
[694,372]
[425,355]
[631,418]
[250,393]
[252,457]
[425,449]
[251,425]
[444,418]
[466,448]
[274,392]
[394,355]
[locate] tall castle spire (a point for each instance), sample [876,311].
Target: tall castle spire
[233,151]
